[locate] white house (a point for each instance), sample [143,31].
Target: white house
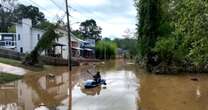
[24,40]
[8,40]
[26,36]
[75,44]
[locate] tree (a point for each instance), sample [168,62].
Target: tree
[89,29]
[6,14]
[107,39]
[11,13]
[127,44]
[105,49]
[45,24]
[31,12]
[191,28]
[180,28]
[148,27]
[45,42]
[78,34]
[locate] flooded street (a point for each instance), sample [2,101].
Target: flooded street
[128,88]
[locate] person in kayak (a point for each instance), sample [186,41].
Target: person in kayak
[97,77]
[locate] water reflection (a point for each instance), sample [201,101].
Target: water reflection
[92,91]
[128,88]
[121,93]
[40,90]
[31,93]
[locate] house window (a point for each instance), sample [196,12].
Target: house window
[21,50]
[18,36]
[38,36]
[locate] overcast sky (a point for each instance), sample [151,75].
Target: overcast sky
[115,17]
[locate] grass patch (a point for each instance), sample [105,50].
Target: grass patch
[6,77]
[19,64]
[10,61]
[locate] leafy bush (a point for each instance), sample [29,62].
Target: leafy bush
[181,30]
[105,49]
[165,48]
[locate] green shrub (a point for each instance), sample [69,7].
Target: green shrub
[165,48]
[105,49]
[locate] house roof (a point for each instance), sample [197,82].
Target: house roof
[58,44]
[73,37]
[88,49]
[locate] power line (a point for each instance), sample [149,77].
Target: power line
[39,6]
[46,9]
[57,5]
[86,10]
[61,18]
[22,22]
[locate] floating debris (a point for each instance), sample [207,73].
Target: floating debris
[194,79]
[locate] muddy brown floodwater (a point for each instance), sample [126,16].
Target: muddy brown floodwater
[128,88]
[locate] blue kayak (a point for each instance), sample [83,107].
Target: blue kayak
[92,83]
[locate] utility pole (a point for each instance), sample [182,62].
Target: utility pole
[69,37]
[69,56]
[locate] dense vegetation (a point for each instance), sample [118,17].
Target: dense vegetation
[105,49]
[44,43]
[88,30]
[127,44]
[173,32]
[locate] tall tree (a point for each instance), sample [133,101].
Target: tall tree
[192,30]
[31,12]
[45,42]
[148,27]
[78,34]
[6,14]
[89,29]
[11,13]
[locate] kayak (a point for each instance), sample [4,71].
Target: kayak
[92,83]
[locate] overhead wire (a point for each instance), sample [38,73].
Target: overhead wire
[86,10]
[57,5]
[61,18]
[39,6]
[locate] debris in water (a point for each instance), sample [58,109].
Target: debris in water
[194,79]
[50,75]
[198,93]
[42,107]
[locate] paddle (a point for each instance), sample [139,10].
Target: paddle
[90,73]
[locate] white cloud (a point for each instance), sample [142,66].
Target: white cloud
[88,2]
[113,16]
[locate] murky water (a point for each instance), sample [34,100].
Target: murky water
[128,88]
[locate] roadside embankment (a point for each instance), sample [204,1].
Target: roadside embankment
[5,68]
